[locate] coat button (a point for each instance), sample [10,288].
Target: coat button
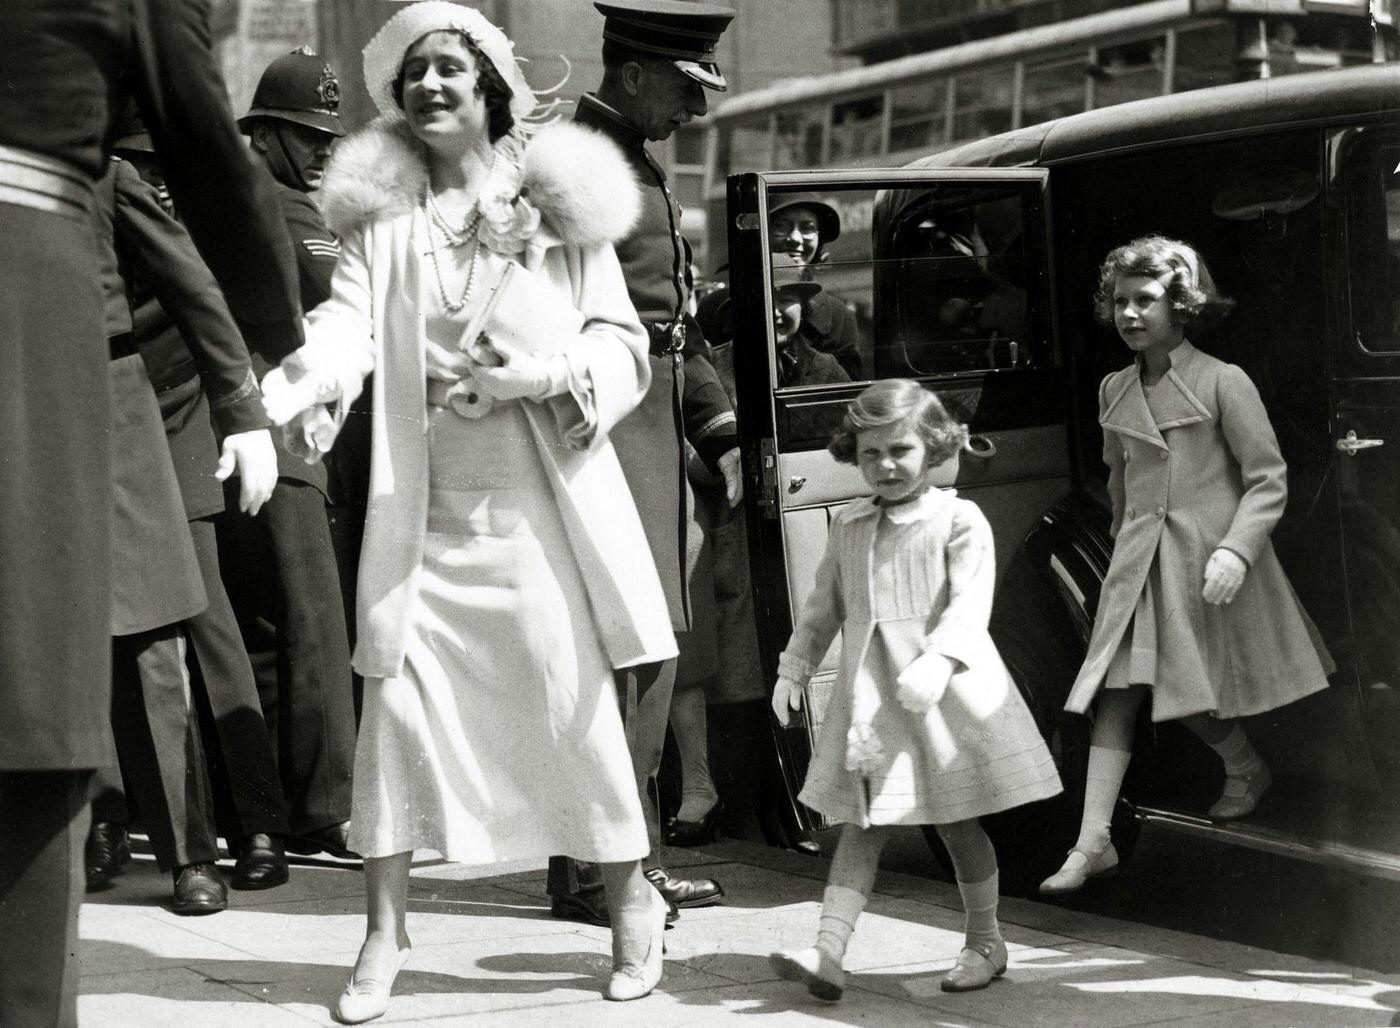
[1163,454]
[1131,513]
[1161,512]
[1125,456]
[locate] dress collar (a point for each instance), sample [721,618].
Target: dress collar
[925,507]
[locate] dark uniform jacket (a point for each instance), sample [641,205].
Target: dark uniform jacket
[686,401]
[193,350]
[829,326]
[65,66]
[316,249]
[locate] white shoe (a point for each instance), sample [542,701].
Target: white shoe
[1078,868]
[1241,794]
[637,972]
[367,998]
[813,968]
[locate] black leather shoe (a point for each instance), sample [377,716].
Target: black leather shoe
[331,839]
[262,863]
[700,892]
[591,908]
[695,833]
[199,889]
[107,849]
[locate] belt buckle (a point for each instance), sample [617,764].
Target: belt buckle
[677,336]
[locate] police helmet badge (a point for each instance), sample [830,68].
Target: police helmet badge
[329,89]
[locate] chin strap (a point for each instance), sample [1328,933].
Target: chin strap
[294,170]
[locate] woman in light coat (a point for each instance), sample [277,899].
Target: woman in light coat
[504,573]
[1195,607]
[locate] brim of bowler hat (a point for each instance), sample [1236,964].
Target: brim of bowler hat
[139,142]
[311,119]
[804,290]
[707,74]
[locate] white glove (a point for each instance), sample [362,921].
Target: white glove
[252,456]
[310,434]
[922,684]
[733,476]
[786,693]
[1225,571]
[288,390]
[519,375]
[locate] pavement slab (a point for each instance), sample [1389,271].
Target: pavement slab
[487,952]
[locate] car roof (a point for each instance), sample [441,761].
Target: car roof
[1359,93]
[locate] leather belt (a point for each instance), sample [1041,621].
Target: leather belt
[43,183]
[119,346]
[667,337]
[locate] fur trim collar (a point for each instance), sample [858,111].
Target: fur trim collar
[578,179]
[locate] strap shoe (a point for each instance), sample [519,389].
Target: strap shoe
[1241,794]
[812,967]
[977,965]
[1078,868]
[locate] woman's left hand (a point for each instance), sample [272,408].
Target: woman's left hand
[519,375]
[1224,575]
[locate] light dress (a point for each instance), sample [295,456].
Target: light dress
[898,582]
[501,738]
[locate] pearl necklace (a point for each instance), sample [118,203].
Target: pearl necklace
[452,237]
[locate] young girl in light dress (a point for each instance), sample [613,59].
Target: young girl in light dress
[924,725]
[1195,608]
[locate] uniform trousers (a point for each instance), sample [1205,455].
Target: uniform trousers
[242,767]
[280,572]
[45,818]
[644,693]
[157,736]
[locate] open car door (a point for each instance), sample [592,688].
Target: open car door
[946,275]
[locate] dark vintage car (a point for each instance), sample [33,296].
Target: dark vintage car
[973,270]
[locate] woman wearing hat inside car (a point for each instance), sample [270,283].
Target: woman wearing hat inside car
[478,280]
[802,226]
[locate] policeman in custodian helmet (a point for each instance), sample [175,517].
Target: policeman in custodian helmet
[280,566]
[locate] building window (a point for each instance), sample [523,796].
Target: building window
[1053,89]
[1129,71]
[857,128]
[982,103]
[797,139]
[750,145]
[919,115]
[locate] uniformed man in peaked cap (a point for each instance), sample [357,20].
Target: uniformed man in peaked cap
[280,566]
[658,59]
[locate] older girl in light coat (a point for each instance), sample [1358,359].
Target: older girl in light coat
[924,725]
[1195,607]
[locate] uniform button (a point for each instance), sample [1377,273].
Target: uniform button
[1125,456]
[1161,512]
[1163,455]
[1132,513]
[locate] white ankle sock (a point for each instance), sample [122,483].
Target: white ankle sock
[980,910]
[840,909]
[1104,781]
[1241,759]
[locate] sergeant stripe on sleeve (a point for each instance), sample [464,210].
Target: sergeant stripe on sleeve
[322,247]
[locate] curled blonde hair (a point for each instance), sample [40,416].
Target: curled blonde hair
[1191,291]
[894,400]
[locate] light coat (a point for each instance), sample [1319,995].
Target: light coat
[373,321]
[918,579]
[1205,473]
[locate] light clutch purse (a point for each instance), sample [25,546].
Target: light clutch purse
[523,313]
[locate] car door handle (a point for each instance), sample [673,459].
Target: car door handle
[796,482]
[1350,443]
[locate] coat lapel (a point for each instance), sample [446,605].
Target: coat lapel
[1179,405]
[1127,413]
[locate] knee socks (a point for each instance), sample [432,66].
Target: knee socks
[840,909]
[1241,759]
[980,910]
[1104,781]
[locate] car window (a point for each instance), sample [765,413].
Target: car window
[1373,240]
